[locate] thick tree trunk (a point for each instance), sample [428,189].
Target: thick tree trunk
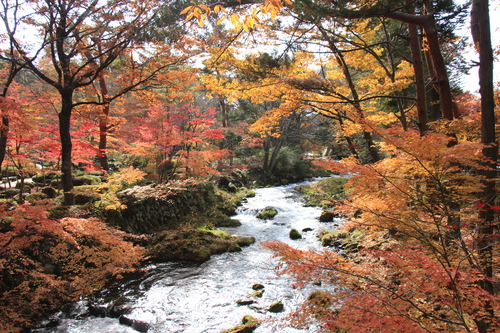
[66,147]
[103,141]
[103,125]
[418,70]
[480,28]
[440,79]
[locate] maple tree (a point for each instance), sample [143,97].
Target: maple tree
[424,190]
[45,262]
[420,266]
[69,31]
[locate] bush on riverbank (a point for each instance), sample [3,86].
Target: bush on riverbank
[45,262]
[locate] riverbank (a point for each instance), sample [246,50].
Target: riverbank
[50,255]
[212,296]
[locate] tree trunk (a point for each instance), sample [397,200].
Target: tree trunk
[4,135]
[418,70]
[355,100]
[480,28]
[103,140]
[66,146]
[440,81]
[103,125]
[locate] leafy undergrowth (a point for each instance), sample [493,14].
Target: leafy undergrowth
[45,263]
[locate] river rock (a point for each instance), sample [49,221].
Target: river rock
[193,245]
[327,216]
[257,293]
[267,214]
[295,234]
[307,229]
[136,324]
[249,325]
[276,307]
[257,286]
[247,319]
[245,301]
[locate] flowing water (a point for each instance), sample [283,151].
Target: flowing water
[193,298]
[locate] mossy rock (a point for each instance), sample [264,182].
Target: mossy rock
[245,301]
[247,319]
[347,241]
[45,178]
[85,195]
[6,223]
[267,214]
[37,196]
[295,234]
[249,325]
[276,307]
[193,245]
[85,180]
[324,192]
[240,329]
[226,221]
[327,216]
[257,293]
[257,286]
[50,192]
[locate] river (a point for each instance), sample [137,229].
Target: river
[192,298]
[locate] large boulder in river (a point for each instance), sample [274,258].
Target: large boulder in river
[327,216]
[194,245]
[267,214]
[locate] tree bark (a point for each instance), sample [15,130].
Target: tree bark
[103,125]
[66,146]
[480,28]
[440,81]
[418,70]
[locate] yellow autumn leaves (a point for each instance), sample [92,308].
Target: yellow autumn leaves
[246,20]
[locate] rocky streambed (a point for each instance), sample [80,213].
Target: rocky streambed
[214,295]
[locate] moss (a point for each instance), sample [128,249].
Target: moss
[276,307]
[327,216]
[247,319]
[347,241]
[295,234]
[257,286]
[249,325]
[257,293]
[33,197]
[324,193]
[267,214]
[193,245]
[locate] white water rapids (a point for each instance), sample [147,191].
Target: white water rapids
[183,297]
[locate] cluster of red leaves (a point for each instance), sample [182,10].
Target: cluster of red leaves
[45,263]
[401,290]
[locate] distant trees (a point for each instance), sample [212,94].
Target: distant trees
[75,43]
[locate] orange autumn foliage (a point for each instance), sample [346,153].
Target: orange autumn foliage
[418,268]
